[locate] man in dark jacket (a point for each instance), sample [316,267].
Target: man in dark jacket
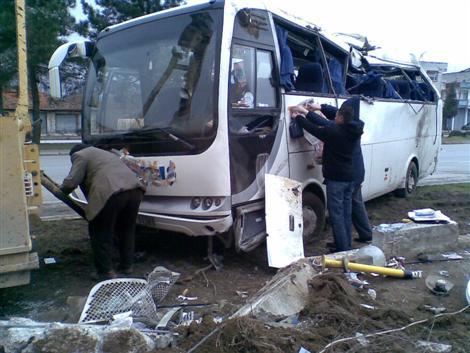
[360,219]
[340,140]
[114,194]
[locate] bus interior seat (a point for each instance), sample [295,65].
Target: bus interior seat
[402,87]
[336,72]
[428,93]
[310,78]
[389,91]
[417,92]
[351,81]
[370,84]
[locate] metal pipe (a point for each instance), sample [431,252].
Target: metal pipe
[356,267]
[54,189]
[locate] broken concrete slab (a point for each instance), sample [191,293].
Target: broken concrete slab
[411,239]
[28,336]
[291,282]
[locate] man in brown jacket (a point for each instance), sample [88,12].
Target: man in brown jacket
[114,194]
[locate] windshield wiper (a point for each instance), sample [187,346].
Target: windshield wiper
[152,129]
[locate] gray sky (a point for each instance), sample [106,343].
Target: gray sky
[434,30]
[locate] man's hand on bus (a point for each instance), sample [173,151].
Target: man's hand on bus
[297,110]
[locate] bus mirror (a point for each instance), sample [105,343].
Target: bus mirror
[68,50]
[54,82]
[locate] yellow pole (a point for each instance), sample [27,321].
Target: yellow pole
[23,99]
[392,272]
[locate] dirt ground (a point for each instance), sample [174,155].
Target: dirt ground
[333,312]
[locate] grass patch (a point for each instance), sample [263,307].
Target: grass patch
[455,140]
[463,188]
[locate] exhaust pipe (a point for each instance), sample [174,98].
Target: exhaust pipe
[54,189]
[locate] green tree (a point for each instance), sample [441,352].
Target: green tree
[111,12]
[46,22]
[7,45]
[450,104]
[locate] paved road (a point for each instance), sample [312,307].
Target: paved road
[453,167]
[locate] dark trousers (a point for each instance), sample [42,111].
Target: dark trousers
[360,219]
[339,199]
[115,221]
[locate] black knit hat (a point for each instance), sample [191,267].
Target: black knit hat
[78,147]
[354,103]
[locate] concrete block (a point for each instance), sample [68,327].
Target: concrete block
[286,294]
[411,239]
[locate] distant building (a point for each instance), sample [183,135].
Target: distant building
[462,87]
[60,119]
[434,69]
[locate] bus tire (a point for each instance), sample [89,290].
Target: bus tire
[411,181]
[313,212]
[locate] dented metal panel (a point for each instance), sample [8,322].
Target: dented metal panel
[283,220]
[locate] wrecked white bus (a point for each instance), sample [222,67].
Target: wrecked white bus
[198,95]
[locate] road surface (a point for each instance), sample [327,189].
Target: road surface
[453,167]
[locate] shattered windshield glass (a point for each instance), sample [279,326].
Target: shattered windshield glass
[157,76]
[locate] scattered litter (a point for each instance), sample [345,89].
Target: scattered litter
[123,320]
[242,294]
[377,255]
[428,215]
[188,317]
[367,306]
[435,310]
[49,261]
[167,317]
[372,293]
[160,280]
[116,296]
[121,295]
[467,292]
[386,228]
[438,284]
[184,298]
[444,273]
[397,262]
[361,339]
[354,280]
[452,256]
[218,319]
[303,350]
[434,347]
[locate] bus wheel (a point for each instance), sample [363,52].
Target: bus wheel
[313,210]
[411,181]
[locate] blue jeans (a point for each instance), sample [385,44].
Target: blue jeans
[339,198]
[360,219]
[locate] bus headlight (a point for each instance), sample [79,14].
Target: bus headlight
[195,203]
[207,203]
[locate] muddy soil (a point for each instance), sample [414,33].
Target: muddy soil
[334,311]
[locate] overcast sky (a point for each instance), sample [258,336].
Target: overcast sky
[433,30]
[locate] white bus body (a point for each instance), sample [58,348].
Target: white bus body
[175,71]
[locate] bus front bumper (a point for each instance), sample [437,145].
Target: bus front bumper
[187,226]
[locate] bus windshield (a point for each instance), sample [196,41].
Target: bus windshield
[157,77]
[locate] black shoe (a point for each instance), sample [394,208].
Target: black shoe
[126,270]
[363,240]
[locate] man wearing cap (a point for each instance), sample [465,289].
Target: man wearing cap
[114,194]
[341,139]
[360,220]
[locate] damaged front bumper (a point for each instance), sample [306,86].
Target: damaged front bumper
[186,225]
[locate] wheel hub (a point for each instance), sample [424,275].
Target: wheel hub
[310,221]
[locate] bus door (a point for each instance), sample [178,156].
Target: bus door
[254,124]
